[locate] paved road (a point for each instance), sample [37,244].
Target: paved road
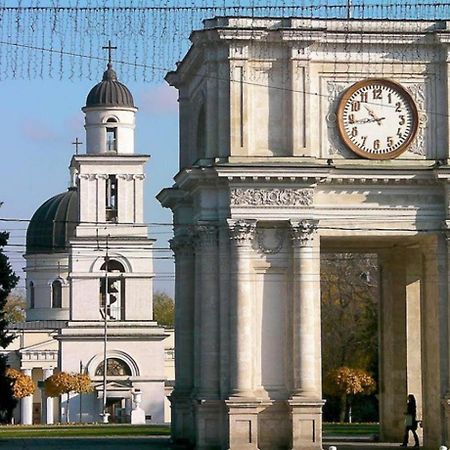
[115,443]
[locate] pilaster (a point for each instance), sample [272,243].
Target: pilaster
[206,251]
[183,427]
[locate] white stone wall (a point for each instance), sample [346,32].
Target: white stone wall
[96,124]
[42,270]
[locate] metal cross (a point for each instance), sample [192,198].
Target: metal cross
[76,143]
[109,47]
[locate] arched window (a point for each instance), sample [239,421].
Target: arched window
[31,293]
[112,290]
[201,133]
[111,136]
[114,368]
[57,294]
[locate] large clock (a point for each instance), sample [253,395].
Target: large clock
[377,118]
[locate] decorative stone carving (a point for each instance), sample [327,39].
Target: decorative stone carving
[206,236]
[417,90]
[89,176]
[277,242]
[242,231]
[139,176]
[303,232]
[125,176]
[271,197]
[182,244]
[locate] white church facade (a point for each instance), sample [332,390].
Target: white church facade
[300,137]
[88,256]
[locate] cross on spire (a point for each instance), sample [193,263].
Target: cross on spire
[77,143]
[109,47]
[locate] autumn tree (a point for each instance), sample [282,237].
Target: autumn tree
[22,384]
[163,309]
[349,286]
[61,383]
[8,281]
[346,383]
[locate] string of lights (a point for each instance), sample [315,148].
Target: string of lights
[153,31]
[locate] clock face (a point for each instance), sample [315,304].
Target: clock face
[377,119]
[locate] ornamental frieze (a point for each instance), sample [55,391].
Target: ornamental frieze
[271,197]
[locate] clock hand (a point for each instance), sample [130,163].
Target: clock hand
[368,120]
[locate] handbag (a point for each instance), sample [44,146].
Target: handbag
[408,420]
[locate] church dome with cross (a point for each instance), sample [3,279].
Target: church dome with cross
[109,92]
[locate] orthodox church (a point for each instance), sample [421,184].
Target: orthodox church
[89,279]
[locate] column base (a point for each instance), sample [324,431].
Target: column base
[182,423]
[209,415]
[306,423]
[243,422]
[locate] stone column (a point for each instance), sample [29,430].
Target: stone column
[26,405]
[243,407]
[208,411]
[47,402]
[182,424]
[306,401]
[241,351]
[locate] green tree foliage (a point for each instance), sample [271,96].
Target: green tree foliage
[8,281]
[163,309]
[15,308]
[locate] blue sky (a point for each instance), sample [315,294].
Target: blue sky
[40,119]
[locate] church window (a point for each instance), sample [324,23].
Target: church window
[111,137]
[112,290]
[111,198]
[201,133]
[56,294]
[114,368]
[31,291]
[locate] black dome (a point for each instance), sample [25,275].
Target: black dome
[53,224]
[110,92]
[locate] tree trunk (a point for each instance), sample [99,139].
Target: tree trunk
[343,408]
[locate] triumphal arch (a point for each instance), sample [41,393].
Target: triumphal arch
[300,137]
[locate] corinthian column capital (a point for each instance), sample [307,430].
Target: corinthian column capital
[206,235]
[242,231]
[303,232]
[182,244]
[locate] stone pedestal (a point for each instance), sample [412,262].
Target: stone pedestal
[138,416]
[209,426]
[306,424]
[182,425]
[243,423]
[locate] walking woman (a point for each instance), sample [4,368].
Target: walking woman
[410,421]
